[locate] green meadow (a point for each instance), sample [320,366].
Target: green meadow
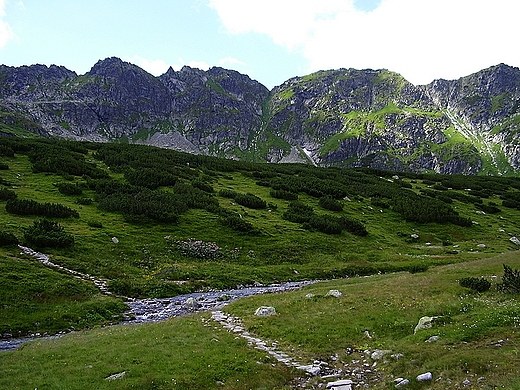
[157,223]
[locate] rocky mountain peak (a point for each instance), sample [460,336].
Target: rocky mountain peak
[341,117]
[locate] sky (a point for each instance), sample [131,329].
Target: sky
[269,40]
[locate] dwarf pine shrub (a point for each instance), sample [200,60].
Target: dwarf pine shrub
[46,233]
[8,239]
[477,284]
[510,281]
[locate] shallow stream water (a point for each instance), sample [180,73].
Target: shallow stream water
[159,309]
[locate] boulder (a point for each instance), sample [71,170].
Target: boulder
[515,240]
[424,323]
[427,376]
[191,304]
[344,384]
[265,311]
[334,293]
[378,354]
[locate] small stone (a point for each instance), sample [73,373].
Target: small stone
[265,311]
[378,354]
[432,339]
[427,376]
[415,236]
[342,382]
[515,240]
[313,370]
[482,245]
[309,296]
[191,303]
[115,240]
[116,376]
[334,293]
[424,323]
[402,383]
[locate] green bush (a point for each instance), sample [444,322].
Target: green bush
[353,226]
[227,193]
[329,203]
[6,194]
[84,201]
[324,223]
[202,185]
[31,207]
[510,281]
[250,200]
[95,224]
[69,188]
[236,222]
[46,233]
[298,212]
[283,194]
[8,239]
[477,284]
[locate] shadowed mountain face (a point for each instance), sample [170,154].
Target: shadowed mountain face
[344,117]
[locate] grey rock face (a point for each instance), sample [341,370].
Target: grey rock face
[344,117]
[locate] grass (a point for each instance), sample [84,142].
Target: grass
[147,261]
[185,353]
[195,353]
[389,307]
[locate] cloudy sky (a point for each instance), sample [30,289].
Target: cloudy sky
[270,40]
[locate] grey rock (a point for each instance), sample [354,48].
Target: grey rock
[334,293]
[424,323]
[117,376]
[265,311]
[378,354]
[324,119]
[515,240]
[402,383]
[427,376]
[191,303]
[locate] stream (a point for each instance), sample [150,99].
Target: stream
[159,309]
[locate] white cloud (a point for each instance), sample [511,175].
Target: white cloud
[232,62]
[421,39]
[6,33]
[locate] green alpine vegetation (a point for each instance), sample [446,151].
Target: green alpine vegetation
[154,222]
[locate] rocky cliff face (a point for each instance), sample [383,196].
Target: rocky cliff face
[342,117]
[369,118]
[485,108]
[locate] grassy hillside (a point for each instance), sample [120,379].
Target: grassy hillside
[183,223]
[157,223]
[477,340]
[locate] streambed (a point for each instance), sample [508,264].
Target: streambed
[159,309]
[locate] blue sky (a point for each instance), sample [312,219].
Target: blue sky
[270,40]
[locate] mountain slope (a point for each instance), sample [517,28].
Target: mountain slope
[344,117]
[485,109]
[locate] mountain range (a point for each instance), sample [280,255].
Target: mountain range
[342,117]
